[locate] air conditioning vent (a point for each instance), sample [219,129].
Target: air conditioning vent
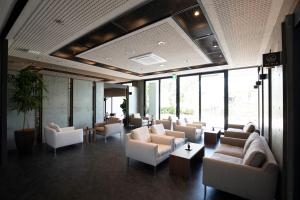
[148,59]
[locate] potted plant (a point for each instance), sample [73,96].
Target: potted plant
[124,107]
[28,95]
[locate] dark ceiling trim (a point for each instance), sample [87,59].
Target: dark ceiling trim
[16,11]
[149,13]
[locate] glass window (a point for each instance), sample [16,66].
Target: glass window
[152,98]
[189,97]
[212,99]
[116,109]
[108,105]
[242,97]
[167,98]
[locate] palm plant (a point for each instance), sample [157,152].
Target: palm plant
[28,94]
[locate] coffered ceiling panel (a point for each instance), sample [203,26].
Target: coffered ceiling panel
[164,38]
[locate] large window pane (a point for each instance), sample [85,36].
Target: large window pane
[152,101]
[167,98]
[243,98]
[212,99]
[189,97]
[116,103]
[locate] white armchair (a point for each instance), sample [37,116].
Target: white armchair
[59,137]
[179,137]
[166,123]
[107,130]
[192,132]
[137,121]
[148,148]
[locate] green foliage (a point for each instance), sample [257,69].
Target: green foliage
[28,94]
[187,111]
[168,110]
[123,106]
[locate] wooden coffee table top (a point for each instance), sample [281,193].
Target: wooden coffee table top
[181,152]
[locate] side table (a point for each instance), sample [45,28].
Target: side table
[211,136]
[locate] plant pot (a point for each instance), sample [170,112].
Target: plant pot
[24,140]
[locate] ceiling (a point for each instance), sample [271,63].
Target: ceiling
[177,49]
[49,28]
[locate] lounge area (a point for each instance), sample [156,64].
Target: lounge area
[159,99]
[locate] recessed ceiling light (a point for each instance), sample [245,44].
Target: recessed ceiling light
[196,13]
[215,44]
[160,43]
[34,52]
[161,65]
[58,21]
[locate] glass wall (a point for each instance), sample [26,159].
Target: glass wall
[152,98]
[189,97]
[167,98]
[242,97]
[212,99]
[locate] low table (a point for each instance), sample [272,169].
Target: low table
[180,159]
[89,135]
[211,136]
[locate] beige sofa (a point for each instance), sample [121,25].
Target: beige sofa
[165,122]
[179,137]
[246,168]
[148,148]
[192,132]
[109,129]
[136,120]
[239,131]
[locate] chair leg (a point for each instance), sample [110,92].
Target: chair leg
[154,170]
[204,192]
[105,140]
[54,152]
[128,161]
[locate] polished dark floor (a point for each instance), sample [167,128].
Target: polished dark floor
[97,171]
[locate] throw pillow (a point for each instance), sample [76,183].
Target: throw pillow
[158,129]
[250,139]
[255,155]
[142,134]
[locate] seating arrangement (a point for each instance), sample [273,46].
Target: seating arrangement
[109,129]
[165,122]
[192,132]
[148,148]
[59,137]
[239,131]
[136,120]
[179,137]
[246,168]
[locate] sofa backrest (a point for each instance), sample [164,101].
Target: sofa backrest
[270,163]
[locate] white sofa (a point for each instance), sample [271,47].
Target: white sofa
[246,168]
[179,137]
[107,130]
[60,137]
[148,148]
[192,132]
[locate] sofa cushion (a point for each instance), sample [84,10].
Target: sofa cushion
[163,149]
[158,129]
[55,127]
[100,128]
[230,150]
[249,128]
[255,155]
[227,158]
[250,139]
[137,115]
[234,130]
[142,134]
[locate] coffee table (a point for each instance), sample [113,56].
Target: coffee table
[211,136]
[181,159]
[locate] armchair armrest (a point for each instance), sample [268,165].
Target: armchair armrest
[233,141]
[198,126]
[176,134]
[162,139]
[100,124]
[237,126]
[143,148]
[234,134]
[67,128]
